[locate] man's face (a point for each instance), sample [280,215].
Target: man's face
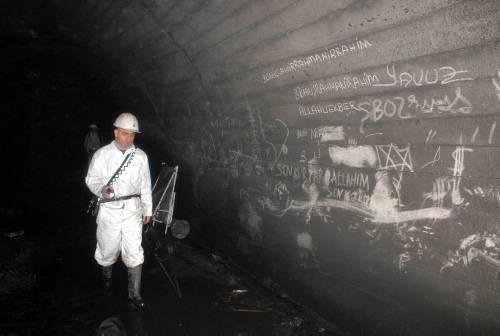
[124,138]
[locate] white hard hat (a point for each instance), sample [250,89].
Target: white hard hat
[93,126]
[128,122]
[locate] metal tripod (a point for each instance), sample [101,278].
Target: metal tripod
[163,210]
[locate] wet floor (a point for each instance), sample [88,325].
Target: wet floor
[50,285]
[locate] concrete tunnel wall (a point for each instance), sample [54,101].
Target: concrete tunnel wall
[344,151]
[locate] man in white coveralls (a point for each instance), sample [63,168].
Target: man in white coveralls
[119,175]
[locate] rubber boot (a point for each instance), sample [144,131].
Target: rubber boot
[107,273]
[134,287]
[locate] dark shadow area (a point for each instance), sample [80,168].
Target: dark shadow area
[50,281]
[55,289]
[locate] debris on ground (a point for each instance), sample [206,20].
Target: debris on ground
[242,301]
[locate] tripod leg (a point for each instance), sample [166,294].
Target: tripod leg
[173,270]
[170,271]
[173,281]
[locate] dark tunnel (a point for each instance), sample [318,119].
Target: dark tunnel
[337,165]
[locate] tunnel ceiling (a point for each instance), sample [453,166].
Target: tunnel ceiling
[184,51]
[112,38]
[147,38]
[41,40]
[173,49]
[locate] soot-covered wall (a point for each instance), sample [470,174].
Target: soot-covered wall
[345,151]
[348,151]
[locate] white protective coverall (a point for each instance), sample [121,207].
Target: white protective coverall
[119,223]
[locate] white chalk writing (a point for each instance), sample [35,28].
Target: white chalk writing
[400,107]
[298,173]
[318,58]
[409,107]
[305,110]
[351,186]
[354,196]
[349,180]
[327,86]
[226,124]
[443,75]
[322,134]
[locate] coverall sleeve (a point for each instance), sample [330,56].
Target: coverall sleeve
[95,178]
[146,195]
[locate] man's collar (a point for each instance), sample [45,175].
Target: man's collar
[126,151]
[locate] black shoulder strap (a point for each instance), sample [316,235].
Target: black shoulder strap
[116,172]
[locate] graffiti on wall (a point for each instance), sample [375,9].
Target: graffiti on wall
[310,175]
[443,75]
[412,106]
[496,84]
[328,55]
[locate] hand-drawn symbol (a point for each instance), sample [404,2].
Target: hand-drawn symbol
[458,156]
[391,157]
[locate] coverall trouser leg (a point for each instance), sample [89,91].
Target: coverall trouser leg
[119,232]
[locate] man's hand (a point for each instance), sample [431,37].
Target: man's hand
[146,219]
[107,192]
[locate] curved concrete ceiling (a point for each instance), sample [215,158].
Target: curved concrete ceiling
[312,128]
